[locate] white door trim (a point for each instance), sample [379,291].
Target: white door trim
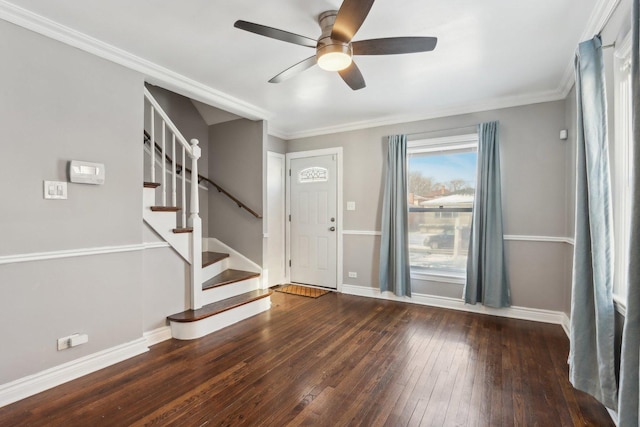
[337,151]
[266,219]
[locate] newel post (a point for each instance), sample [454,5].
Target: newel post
[196,223]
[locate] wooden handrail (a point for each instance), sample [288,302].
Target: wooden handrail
[147,138]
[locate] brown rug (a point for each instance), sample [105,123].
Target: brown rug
[302,291]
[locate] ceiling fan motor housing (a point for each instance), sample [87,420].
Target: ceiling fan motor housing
[327,45]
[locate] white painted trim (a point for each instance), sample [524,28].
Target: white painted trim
[155,73]
[71,253]
[52,377]
[599,17]
[566,325]
[512,237]
[157,336]
[523,313]
[361,233]
[159,163]
[492,104]
[216,245]
[435,277]
[620,304]
[337,151]
[522,238]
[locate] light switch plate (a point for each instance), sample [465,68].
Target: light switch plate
[351,206]
[56,190]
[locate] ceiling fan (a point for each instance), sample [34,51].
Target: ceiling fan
[335,48]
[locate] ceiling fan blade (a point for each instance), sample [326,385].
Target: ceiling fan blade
[350,17]
[353,77]
[274,33]
[394,45]
[295,69]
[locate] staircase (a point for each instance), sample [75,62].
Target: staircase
[225,287]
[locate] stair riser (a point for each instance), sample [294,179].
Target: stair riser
[193,330]
[214,269]
[227,291]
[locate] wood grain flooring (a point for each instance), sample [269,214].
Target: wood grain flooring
[334,361]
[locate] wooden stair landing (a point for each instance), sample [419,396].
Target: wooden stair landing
[151,184]
[227,277]
[209,258]
[165,208]
[220,306]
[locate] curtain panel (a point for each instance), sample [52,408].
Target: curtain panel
[486,270]
[628,398]
[591,355]
[394,245]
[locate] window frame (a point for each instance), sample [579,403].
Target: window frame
[443,145]
[623,146]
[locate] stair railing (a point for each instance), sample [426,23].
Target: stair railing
[193,151]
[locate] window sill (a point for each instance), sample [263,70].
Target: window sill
[436,276]
[620,304]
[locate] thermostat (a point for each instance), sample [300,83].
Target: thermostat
[86,172]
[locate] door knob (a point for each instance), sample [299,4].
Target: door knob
[332,229]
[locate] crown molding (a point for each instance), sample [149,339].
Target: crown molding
[154,73]
[597,21]
[493,104]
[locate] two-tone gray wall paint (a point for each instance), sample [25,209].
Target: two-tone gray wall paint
[236,163]
[534,192]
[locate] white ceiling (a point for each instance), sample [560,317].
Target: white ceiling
[490,53]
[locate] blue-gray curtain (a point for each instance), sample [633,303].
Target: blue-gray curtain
[486,272]
[394,245]
[591,355]
[629,407]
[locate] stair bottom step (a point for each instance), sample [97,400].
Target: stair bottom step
[192,324]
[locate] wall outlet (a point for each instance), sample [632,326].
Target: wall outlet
[72,341]
[351,206]
[353,274]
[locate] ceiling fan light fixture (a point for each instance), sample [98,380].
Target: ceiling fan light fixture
[334,57]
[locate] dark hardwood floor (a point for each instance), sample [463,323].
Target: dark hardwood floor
[337,361]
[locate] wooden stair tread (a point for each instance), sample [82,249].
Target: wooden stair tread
[227,277]
[209,258]
[151,184]
[220,306]
[183,230]
[165,208]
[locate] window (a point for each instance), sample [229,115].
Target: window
[441,187]
[622,148]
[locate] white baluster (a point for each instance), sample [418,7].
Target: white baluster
[173,172]
[196,237]
[184,188]
[152,146]
[164,166]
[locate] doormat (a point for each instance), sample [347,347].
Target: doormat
[302,291]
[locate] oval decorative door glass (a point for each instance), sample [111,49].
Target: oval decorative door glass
[313,174]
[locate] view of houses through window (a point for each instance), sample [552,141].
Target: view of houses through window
[441,187]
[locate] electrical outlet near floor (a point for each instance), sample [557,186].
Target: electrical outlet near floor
[353,274]
[72,341]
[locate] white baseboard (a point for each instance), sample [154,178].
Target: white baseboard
[36,383]
[566,325]
[522,313]
[156,336]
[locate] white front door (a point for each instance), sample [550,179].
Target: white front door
[313,209]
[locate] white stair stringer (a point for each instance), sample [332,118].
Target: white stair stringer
[237,261]
[220,293]
[193,330]
[163,223]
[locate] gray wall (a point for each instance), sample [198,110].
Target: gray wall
[57,104]
[236,163]
[534,192]
[189,122]
[276,145]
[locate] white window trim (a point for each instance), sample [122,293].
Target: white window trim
[442,144]
[622,169]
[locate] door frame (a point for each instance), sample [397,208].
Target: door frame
[267,219]
[337,151]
